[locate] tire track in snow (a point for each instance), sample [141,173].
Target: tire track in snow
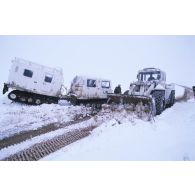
[25,135]
[45,148]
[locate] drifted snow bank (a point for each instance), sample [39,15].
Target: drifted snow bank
[170,137]
[179,91]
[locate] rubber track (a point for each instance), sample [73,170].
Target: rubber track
[25,135]
[45,148]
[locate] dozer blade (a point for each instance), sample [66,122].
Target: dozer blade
[129,99]
[141,105]
[137,104]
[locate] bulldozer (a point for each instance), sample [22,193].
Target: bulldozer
[150,92]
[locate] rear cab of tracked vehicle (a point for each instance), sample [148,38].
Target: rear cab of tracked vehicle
[89,89]
[30,78]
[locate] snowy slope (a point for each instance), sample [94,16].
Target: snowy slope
[121,136]
[170,137]
[16,117]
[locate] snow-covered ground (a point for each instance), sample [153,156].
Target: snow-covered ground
[16,117]
[170,137]
[120,136]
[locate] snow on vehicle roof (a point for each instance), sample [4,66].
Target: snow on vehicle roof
[21,61]
[85,77]
[151,70]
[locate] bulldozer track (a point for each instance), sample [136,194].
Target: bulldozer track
[25,135]
[42,149]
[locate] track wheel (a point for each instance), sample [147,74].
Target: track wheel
[12,96]
[22,99]
[30,100]
[38,101]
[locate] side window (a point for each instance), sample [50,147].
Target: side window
[91,83]
[28,73]
[48,78]
[105,84]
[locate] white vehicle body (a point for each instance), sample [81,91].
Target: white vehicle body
[31,77]
[152,84]
[145,86]
[149,93]
[85,88]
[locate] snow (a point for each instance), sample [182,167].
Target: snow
[170,137]
[15,117]
[5,152]
[120,135]
[179,91]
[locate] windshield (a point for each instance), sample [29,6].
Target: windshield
[149,76]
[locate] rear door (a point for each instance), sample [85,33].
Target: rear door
[105,88]
[48,83]
[92,91]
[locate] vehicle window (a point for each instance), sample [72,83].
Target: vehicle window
[28,73]
[105,84]
[149,76]
[91,83]
[48,78]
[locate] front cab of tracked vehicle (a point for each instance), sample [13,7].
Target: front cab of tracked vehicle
[89,90]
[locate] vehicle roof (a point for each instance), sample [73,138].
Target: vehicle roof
[151,70]
[85,77]
[20,61]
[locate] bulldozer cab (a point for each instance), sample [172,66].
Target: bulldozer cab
[150,75]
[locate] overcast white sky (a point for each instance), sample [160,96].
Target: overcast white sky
[117,58]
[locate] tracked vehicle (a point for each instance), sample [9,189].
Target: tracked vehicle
[89,90]
[33,83]
[150,91]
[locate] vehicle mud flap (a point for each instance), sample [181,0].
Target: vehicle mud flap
[5,88]
[73,100]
